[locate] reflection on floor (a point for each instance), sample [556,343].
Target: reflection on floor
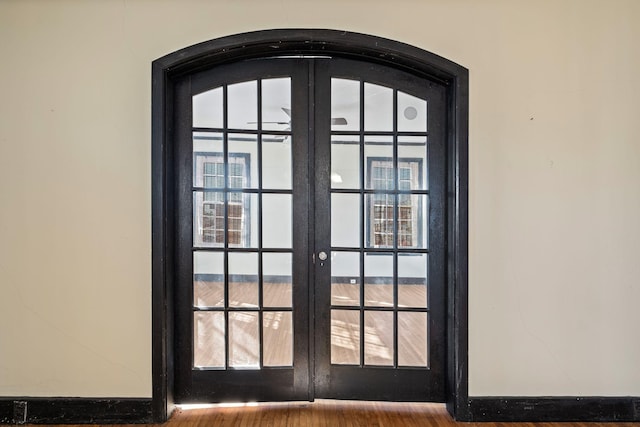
[244,326]
[378,325]
[277,326]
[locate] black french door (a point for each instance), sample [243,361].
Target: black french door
[310,233]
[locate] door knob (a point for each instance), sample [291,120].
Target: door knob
[322,256]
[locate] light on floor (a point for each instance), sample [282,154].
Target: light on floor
[193,406]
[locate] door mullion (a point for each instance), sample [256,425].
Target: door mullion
[310,203]
[260,246]
[396,226]
[225,156]
[321,219]
[302,146]
[363,228]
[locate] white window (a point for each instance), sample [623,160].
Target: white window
[210,171]
[381,209]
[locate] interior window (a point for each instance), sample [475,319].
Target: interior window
[381,209]
[210,173]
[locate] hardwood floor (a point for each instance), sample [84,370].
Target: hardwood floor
[330,413]
[335,413]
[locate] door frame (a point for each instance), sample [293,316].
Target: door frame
[165,73]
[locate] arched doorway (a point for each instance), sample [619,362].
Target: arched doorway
[309,220]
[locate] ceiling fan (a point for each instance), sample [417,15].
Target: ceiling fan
[334,121]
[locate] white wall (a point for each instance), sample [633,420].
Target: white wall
[554,172]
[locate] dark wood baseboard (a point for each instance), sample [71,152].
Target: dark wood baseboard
[41,410]
[554,409]
[62,410]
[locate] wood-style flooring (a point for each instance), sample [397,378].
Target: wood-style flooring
[329,413]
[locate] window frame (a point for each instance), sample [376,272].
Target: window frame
[166,74]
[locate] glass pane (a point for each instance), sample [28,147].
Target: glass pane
[378,338]
[412,339]
[242,220]
[208,160]
[244,341]
[276,104]
[208,219]
[207,109]
[345,337]
[345,278]
[242,106]
[378,108]
[345,220]
[345,161]
[209,226]
[345,105]
[276,162]
[412,280]
[378,279]
[412,113]
[412,162]
[243,279]
[276,221]
[278,338]
[242,161]
[412,221]
[380,226]
[208,339]
[276,279]
[208,279]
[379,173]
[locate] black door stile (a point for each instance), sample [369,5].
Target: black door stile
[313,375]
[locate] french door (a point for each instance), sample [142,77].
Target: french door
[310,233]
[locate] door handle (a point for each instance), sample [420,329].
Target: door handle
[322,256]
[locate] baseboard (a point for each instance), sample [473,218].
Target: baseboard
[39,410]
[554,409]
[62,410]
